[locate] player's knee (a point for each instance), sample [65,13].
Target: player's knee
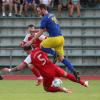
[61,58]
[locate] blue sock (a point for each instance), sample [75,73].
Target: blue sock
[49,51]
[68,65]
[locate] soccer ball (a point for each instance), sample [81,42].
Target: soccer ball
[56,82]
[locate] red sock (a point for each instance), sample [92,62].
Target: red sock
[35,72]
[72,78]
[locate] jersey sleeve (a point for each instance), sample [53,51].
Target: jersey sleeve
[26,38]
[28,59]
[43,23]
[42,37]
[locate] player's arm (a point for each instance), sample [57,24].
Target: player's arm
[19,67]
[25,40]
[22,65]
[35,37]
[41,30]
[42,37]
[38,34]
[4,69]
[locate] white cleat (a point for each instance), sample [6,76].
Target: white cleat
[86,84]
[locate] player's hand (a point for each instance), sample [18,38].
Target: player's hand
[22,44]
[39,81]
[68,91]
[28,43]
[5,69]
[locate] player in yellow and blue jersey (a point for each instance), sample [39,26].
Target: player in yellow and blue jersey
[55,40]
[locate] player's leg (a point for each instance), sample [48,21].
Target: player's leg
[72,78]
[58,89]
[34,70]
[70,67]
[52,42]
[49,51]
[60,51]
[61,73]
[47,83]
[36,73]
[46,46]
[57,43]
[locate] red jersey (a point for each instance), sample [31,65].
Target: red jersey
[36,43]
[40,60]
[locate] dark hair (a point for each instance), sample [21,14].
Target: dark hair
[30,26]
[42,6]
[27,48]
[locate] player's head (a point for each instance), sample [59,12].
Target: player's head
[42,9]
[27,49]
[30,28]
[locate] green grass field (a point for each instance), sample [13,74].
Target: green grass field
[26,90]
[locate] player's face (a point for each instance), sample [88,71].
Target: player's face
[39,11]
[31,29]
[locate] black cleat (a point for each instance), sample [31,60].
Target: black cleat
[1,78]
[55,58]
[77,76]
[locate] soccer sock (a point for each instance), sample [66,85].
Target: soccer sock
[49,51]
[68,65]
[72,78]
[35,72]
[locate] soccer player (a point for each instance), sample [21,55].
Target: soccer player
[55,40]
[47,69]
[33,69]
[30,33]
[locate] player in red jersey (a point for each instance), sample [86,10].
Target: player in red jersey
[47,69]
[30,33]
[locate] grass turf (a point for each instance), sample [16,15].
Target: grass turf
[26,90]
